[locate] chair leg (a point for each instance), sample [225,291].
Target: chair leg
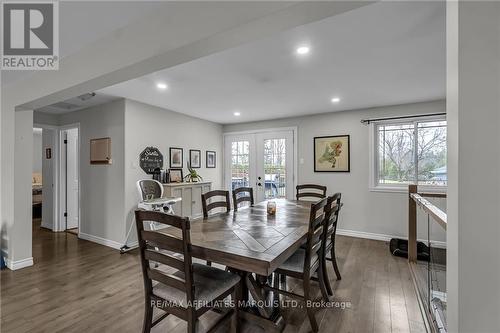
[322,285]
[148,317]
[310,311]
[334,263]
[282,279]
[192,322]
[326,279]
[235,323]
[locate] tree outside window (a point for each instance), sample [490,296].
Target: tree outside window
[412,153]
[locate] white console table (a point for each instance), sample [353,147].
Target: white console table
[190,193]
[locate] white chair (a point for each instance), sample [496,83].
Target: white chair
[151,198]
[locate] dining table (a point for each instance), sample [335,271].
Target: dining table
[252,243]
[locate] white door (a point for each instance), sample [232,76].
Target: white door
[48,175]
[274,151]
[263,161]
[239,161]
[72,179]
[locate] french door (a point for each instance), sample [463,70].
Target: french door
[262,160]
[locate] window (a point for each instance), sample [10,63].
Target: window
[240,164]
[409,152]
[275,168]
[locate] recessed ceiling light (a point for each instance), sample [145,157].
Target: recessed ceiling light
[161,86]
[303,50]
[335,100]
[237,114]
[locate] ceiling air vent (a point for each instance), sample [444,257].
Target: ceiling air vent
[86,97]
[64,106]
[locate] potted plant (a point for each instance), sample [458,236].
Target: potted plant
[192,175]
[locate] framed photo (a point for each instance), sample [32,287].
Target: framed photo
[176,158]
[175,175]
[332,153]
[195,158]
[211,158]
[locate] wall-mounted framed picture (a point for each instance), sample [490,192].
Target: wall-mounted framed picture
[211,158]
[175,175]
[176,158]
[195,158]
[100,151]
[332,153]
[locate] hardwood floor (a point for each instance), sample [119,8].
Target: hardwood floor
[79,286]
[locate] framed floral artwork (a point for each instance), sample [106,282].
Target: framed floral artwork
[332,153]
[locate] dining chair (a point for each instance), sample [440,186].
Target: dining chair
[306,262]
[207,207]
[310,191]
[180,287]
[242,194]
[332,210]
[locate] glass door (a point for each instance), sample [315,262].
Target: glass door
[263,161]
[239,161]
[274,169]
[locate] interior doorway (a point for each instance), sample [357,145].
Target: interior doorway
[44,176]
[70,180]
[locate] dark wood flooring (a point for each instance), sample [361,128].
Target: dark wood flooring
[79,286]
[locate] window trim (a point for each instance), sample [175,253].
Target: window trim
[373,185]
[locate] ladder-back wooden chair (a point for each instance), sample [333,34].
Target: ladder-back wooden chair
[177,286]
[305,262]
[310,191]
[207,207]
[332,210]
[242,194]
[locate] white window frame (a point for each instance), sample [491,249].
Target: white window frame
[374,186]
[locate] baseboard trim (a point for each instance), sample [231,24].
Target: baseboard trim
[100,240]
[46,227]
[381,237]
[18,264]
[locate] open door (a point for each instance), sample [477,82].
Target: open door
[72,179]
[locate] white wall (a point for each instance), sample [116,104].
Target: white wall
[22,189]
[42,118]
[381,214]
[108,192]
[147,125]
[473,97]
[101,186]
[37,150]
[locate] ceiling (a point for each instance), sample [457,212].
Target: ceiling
[382,54]
[77,103]
[83,22]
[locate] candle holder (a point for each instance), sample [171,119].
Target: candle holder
[271,208]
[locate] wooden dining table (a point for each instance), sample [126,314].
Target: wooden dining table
[251,241]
